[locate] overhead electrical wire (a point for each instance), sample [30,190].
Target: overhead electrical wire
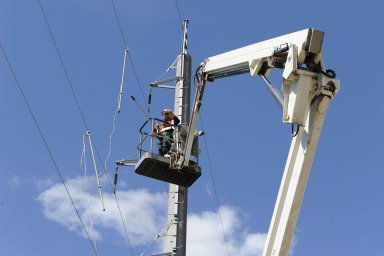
[119,24]
[141,91]
[205,142]
[81,113]
[117,202]
[105,170]
[47,146]
[132,64]
[214,187]
[178,12]
[113,123]
[126,47]
[209,159]
[63,66]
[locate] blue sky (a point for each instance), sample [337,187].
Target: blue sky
[343,205]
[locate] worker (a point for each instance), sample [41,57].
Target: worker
[165,131]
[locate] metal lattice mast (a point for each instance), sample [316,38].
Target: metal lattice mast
[178,195]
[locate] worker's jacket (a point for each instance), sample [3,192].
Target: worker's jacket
[167,126]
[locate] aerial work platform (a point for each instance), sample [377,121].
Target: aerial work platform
[158,167]
[162,168]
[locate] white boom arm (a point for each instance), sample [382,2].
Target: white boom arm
[308,41]
[307,90]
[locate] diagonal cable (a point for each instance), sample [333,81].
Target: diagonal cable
[117,202]
[78,105]
[119,24]
[46,145]
[142,94]
[178,12]
[126,47]
[62,64]
[214,186]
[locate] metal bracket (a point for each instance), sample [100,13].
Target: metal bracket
[127,162]
[299,91]
[157,83]
[291,63]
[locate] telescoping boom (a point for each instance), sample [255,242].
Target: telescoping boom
[307,88]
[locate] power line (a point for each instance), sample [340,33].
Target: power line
[122,220]
[214,187]
[62,64]
[136,76]
[142,94]
[109,180]
[178,12]
[126,47]
[105,170]
[46,145]
[117,202]
[119,24]
[79,108]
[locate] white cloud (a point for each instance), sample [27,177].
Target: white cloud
[205,234]
[43,184]
[143,212]
[145,215]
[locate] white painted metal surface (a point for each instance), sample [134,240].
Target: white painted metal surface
[307,41]
[251,59]
[307,94]
[299,162]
